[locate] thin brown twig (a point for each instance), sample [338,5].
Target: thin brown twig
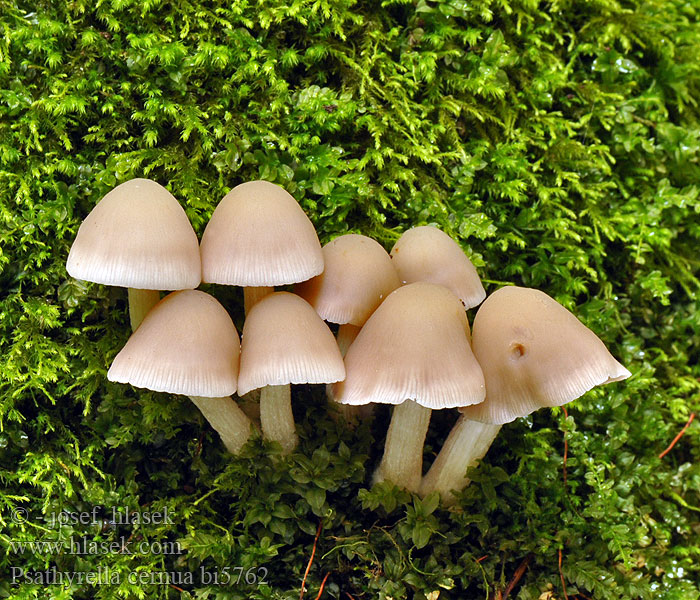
[349,595]
[679,436]
[311,560]
[484,557]
[561,575]
[177,588]
[519,572]
[323,585]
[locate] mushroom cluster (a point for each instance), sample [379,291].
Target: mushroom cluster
[404,337]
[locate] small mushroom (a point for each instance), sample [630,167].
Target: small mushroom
[413,352]
[534,353]
[358,275]
[138,236]
[428,254]
[285,341]
[188,345]
[259,237]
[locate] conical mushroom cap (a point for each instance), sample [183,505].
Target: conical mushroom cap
[258,235]
[137,236]
[415,346]
[358,275]
[187,344]
[534,353]
[428,254]
[285,341]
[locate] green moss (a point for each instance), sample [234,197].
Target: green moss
[558,142]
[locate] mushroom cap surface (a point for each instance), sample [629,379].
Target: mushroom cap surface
[534,353]
[428,254]
[137,236]
[358,275]
[415,346]
[285,341]
[259,236]
[187,344]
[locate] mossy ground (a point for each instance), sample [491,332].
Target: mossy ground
[558,142]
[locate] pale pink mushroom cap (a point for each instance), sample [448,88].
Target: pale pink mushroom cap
[428,254]
[358,275]
[137,236]
[259,236]
[534,353]
[415,346]
[187,344]
[285,341]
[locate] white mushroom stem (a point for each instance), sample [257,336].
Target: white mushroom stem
[140,303]
[252,295]
[402,463]
[226,417]
[276,418]
[467,443]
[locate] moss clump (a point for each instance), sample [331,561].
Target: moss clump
[558,142]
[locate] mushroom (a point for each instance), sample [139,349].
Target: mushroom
[138,236]
[259,237]
[188,345]
[285,341]
[358,275]
[428,254]
[412,352]
[533,353]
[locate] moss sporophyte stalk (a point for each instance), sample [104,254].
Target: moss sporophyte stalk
[557,145]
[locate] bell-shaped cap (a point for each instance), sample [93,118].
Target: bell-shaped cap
[187,344]
[259,236]
[358,275]
[137,236]
[534,353]
[428,254]
[285,341]
[415,346]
